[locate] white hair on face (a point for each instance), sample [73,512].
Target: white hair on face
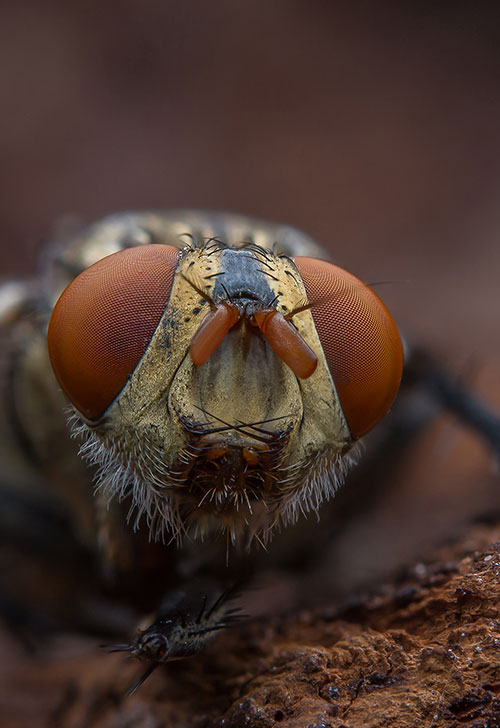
[137,472]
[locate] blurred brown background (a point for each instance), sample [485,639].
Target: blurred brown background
[374,127]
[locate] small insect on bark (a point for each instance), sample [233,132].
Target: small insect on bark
[182,628]
[219,370]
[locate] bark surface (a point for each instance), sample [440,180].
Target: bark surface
[422,651]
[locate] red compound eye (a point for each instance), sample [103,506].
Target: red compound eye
[104,320]
[360,340]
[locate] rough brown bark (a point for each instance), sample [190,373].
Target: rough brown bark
[422,651]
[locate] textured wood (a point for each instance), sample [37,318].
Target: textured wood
[422,651]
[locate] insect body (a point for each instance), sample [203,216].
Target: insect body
[181,630]
[219,370]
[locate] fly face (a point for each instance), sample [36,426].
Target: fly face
[219,387]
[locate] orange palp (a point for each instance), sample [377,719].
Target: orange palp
[360,341]
[212,332]
[104,320]
[287,343]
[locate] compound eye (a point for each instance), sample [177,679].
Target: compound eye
[104,320]
[360,341]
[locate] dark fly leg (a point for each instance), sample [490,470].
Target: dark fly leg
[187,621]
[51,582]
[33,531]
[427,389]
[451,394]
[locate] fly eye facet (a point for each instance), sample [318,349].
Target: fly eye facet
[104,320]
[360,341]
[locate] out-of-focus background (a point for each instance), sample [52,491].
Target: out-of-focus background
[372,127]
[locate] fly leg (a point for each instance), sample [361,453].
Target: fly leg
[452,395]
[186,622]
